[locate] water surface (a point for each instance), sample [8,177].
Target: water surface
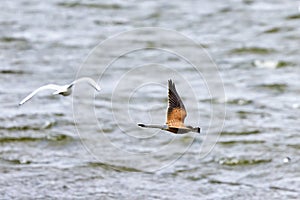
[254,44]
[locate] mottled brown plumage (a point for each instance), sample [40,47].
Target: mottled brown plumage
[176,114]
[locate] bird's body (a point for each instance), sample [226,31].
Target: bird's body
[176,114]
[64,90]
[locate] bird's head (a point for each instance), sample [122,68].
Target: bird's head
[194,129]
[64,93]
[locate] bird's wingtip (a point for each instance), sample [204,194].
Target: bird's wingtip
[21,103]
[171,83]
[141,125]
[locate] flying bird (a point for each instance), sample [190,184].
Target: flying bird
[176,114]
[64,90]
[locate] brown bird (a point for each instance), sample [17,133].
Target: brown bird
[176,114]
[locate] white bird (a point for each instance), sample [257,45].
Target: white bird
[64,90]
[287,160]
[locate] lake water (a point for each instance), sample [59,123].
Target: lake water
[89,145]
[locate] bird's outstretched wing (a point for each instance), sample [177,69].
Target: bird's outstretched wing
[88,80]
[176,112]
[45,87]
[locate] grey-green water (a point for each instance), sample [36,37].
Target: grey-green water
[256,47]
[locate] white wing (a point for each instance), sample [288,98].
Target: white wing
[45,87]
[88,80]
